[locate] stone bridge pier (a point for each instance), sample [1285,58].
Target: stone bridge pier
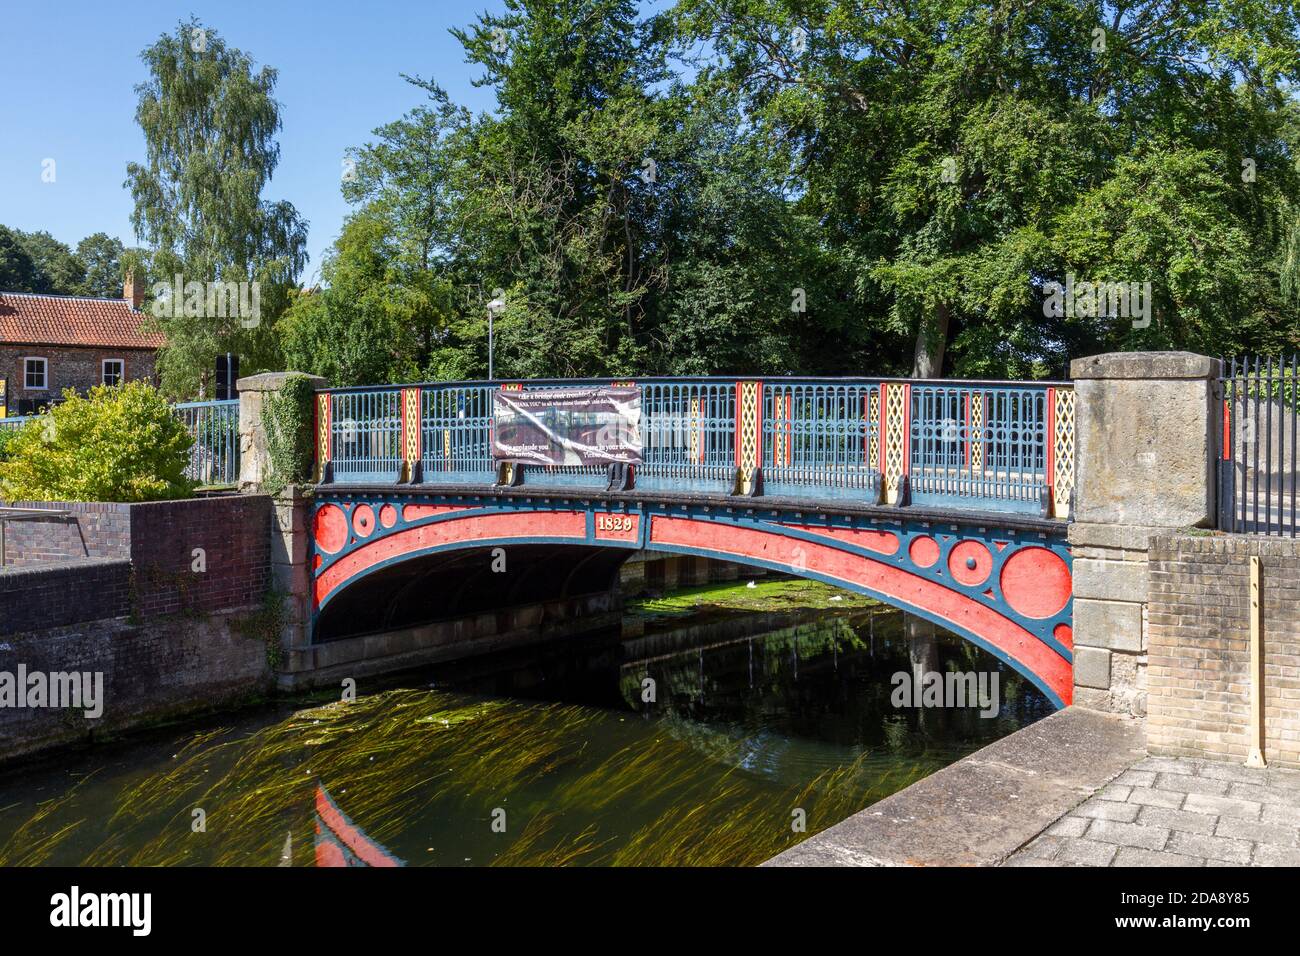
[1147,428]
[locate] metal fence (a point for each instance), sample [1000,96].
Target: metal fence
[13,424]
[1257,462]
[997,446]
[214,456]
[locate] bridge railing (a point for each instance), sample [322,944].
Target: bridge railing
[994,446]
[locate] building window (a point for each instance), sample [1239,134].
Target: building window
[114,371]
[34,373]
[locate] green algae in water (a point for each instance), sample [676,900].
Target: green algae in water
[741,736]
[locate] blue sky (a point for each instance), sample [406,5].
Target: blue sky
[71,69]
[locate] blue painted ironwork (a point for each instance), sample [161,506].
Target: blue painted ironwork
[975,444]
[366,434]
[413,508]
[1257,461]
[818,439]
[688,434]
[214,456]
[972,445]
[17,422]
[456,433]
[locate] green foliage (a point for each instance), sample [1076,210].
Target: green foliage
[287,417]
[958,156]
[7,435]
[209,120]
[117,444]
[916,177]
[100,256]
[58,270]
[17,271]
[37,262]
[266,624]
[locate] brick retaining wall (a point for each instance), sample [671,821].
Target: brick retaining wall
[163,541]
[151,670]
[70,592]
[1199,646]
[94,529]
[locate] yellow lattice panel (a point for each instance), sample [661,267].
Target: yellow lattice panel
[895,440]
[1062,439]
[322,434]
[410,432]
[748,418]
[696,455]
[873,430]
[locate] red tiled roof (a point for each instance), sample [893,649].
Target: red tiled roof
[71,320]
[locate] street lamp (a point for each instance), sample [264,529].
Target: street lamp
[494,309]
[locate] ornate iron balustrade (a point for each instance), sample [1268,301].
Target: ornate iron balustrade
[994,446]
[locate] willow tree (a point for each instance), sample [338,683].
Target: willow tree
[209,120]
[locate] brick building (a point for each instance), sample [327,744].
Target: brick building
[52,342]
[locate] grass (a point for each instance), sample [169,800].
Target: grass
[766,595]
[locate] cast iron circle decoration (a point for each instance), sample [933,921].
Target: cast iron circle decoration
[1036,582]
[969,562]
[388,516]
[363,520]
[330,528]
[924,551]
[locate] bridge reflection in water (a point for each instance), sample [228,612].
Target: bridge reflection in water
[786,711]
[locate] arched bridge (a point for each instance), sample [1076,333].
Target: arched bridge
[946,499]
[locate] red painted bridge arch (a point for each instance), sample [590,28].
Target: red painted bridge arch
[1005,584]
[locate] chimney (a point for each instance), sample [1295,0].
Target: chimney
[133,292]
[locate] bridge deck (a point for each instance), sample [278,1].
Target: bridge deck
[839,506]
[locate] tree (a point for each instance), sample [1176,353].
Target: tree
[949,149]
[209,120]
[60,272]
[373,319]
[100,256]
[17,271]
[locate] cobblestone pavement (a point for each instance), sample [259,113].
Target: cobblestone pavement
[1167,811]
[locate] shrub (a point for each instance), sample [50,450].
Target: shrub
[119,443]
[6,436]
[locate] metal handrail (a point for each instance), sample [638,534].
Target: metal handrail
[978,444]
[9,513]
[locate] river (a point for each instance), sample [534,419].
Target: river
[721,726]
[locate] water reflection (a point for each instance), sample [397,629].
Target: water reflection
[662,747]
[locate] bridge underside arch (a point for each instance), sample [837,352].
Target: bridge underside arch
[450,584]
[1006,589]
